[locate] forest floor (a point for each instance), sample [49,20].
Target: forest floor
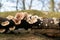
[25,36]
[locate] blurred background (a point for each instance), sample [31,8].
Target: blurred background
[44,8]
[42,5]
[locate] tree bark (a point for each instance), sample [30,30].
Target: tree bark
[30,4]
[17,5]
[52,5]
[23,2]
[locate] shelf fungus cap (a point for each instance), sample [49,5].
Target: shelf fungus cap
[9,17]
[2,30]
[32,20]
[17,22]
[20,16]
[12,28]
[5,23]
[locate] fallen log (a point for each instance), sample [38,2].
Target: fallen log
[48,32]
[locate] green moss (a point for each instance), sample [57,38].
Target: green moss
[33,12]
